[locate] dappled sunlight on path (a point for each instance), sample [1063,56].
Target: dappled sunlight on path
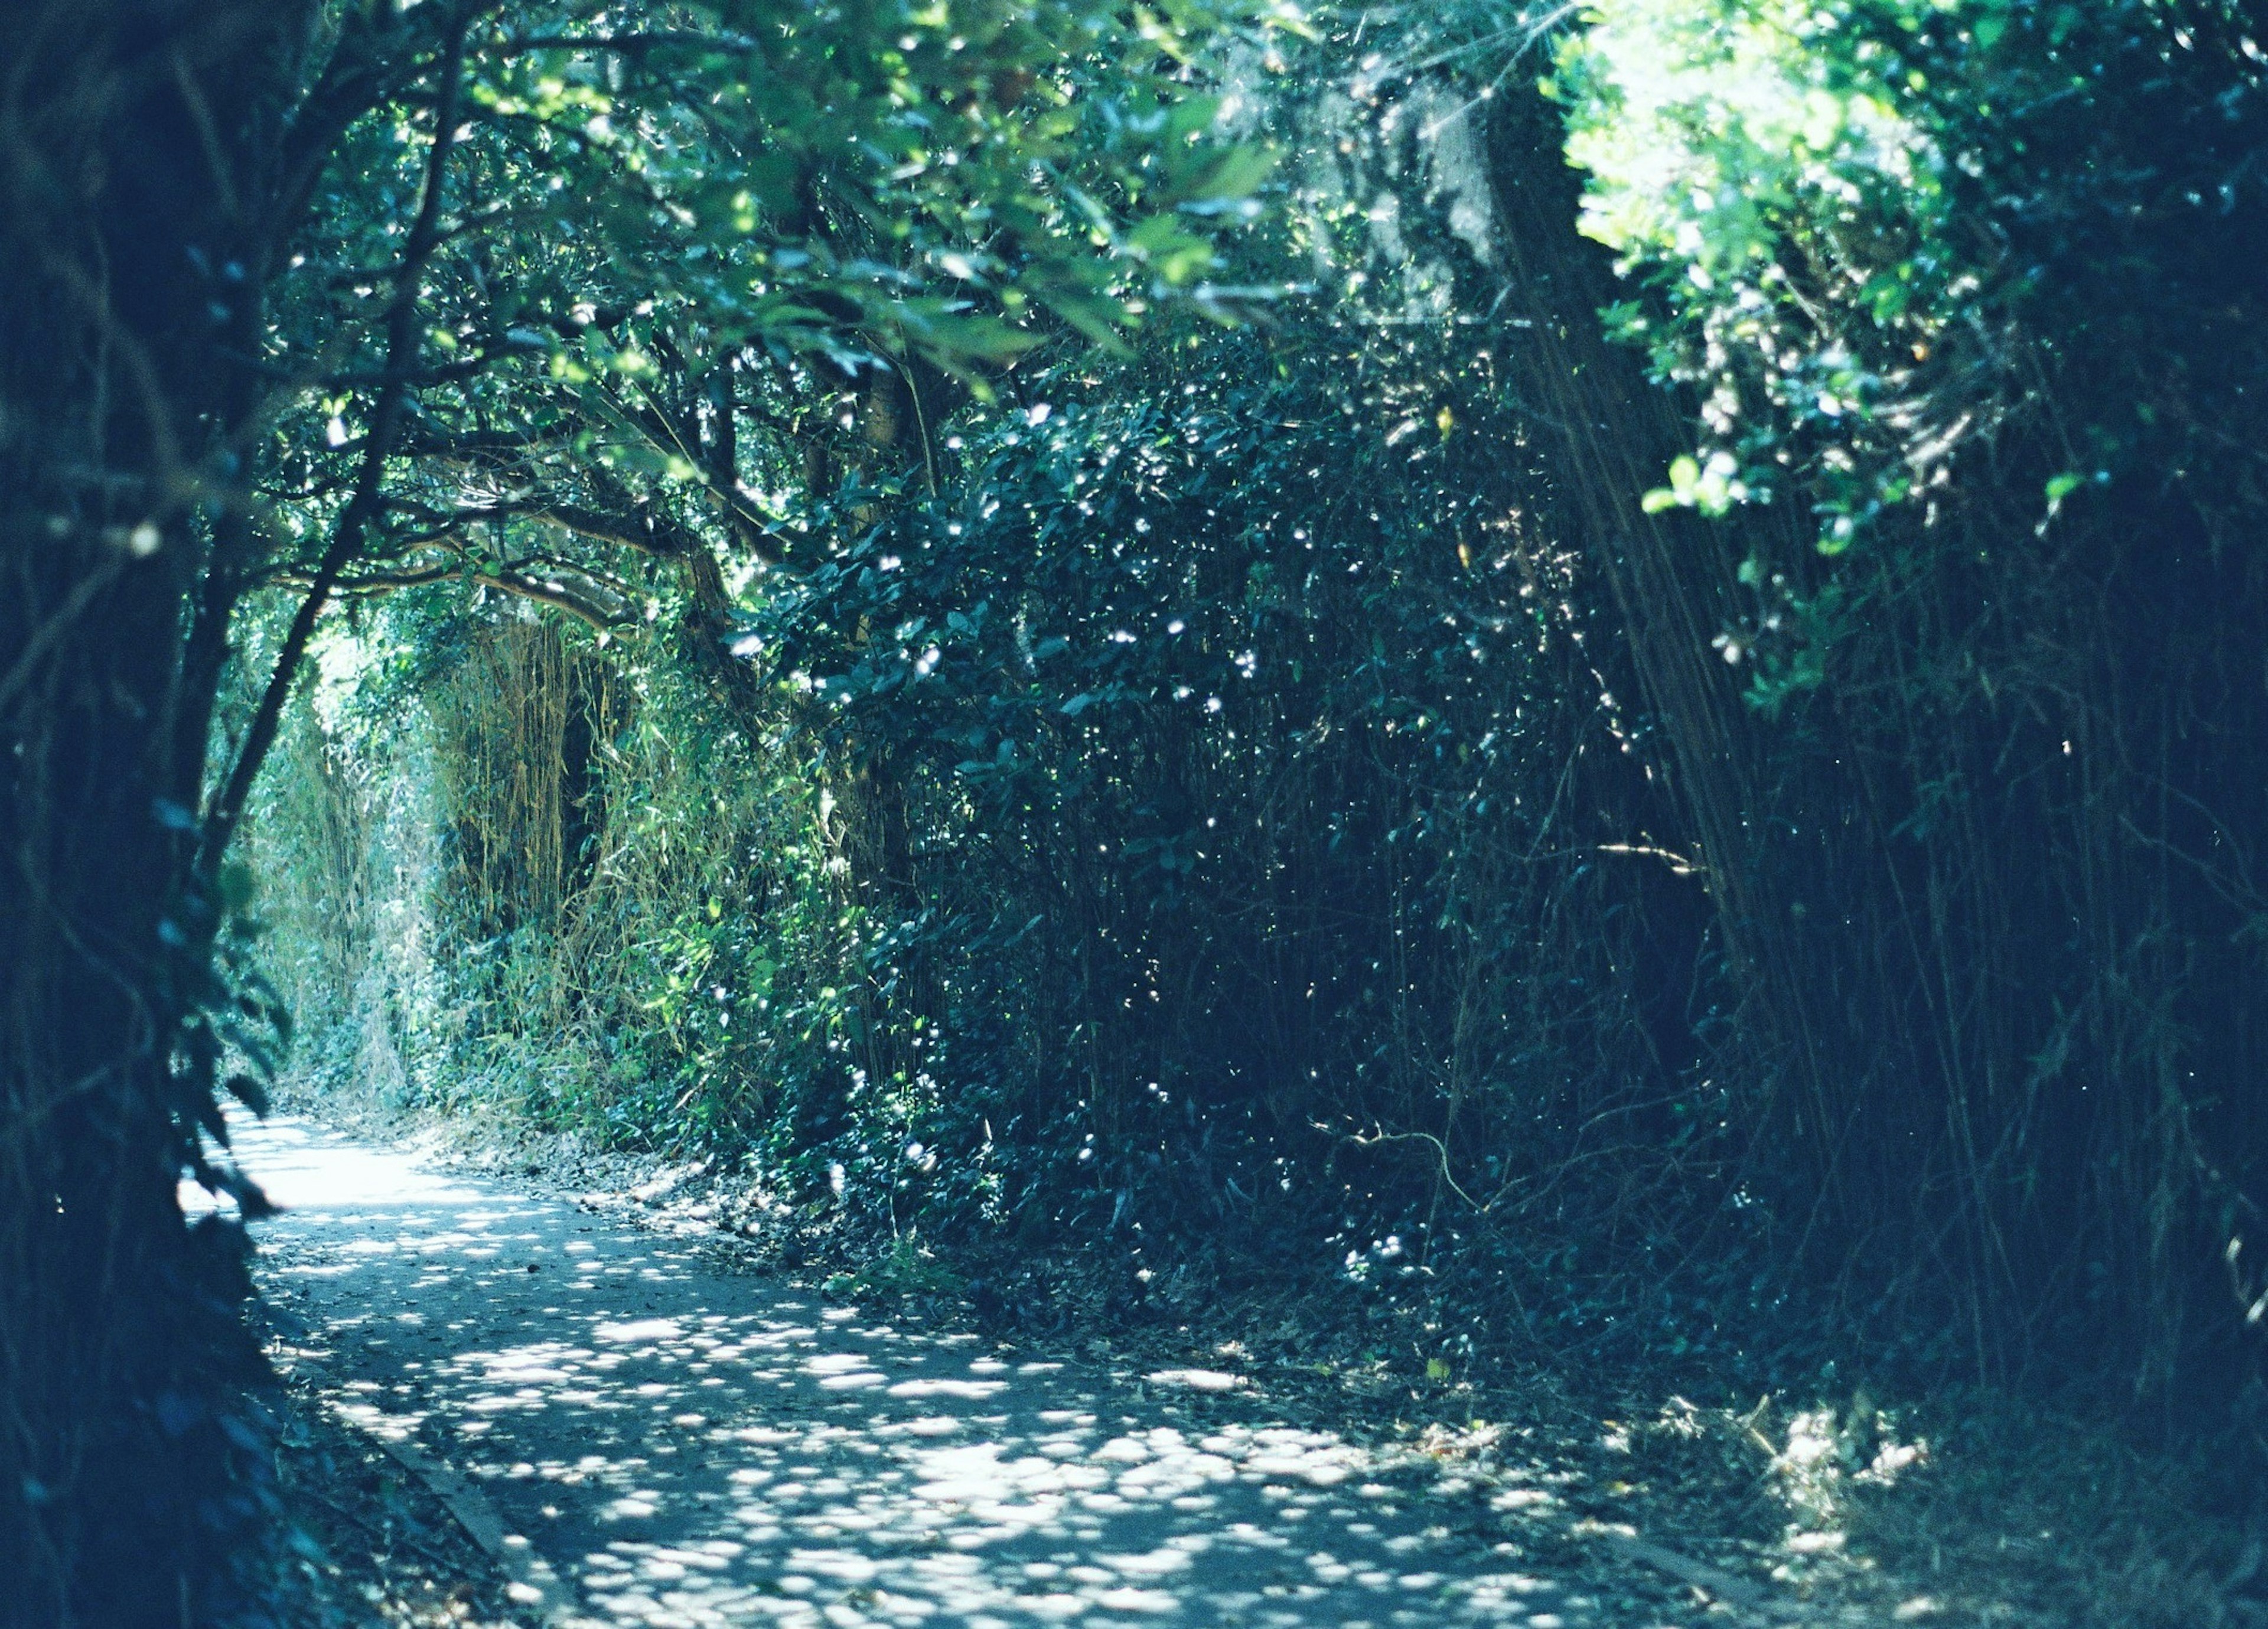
[686,1444]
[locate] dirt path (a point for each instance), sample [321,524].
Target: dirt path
[670,1442]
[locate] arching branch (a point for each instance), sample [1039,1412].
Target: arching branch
[402,351]
[593,603]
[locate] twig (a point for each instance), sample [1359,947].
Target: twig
[384,1534]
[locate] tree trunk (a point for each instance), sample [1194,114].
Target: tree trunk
[131,143]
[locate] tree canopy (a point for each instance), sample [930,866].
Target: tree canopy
[1592,672]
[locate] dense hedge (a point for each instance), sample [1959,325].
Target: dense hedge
[1654,795]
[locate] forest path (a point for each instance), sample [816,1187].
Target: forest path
[676,1441]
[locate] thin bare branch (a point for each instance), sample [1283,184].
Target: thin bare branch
[403,345]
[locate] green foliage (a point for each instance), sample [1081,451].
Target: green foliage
[1147,824]
[1027,760]
[1877,236]
[1973,288]
[728,199]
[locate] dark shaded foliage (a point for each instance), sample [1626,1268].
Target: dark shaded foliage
[1668,831]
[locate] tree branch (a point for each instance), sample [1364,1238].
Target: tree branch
[403,343]
[558,595]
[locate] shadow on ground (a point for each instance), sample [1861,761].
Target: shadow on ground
[684,1444]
